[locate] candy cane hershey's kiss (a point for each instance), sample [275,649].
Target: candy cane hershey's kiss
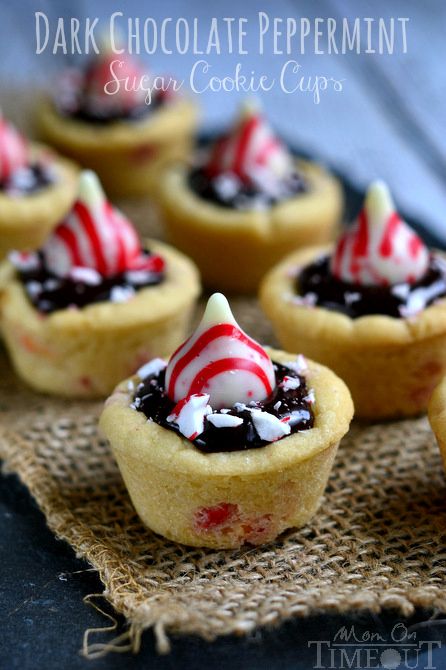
[220,360]
[228,443]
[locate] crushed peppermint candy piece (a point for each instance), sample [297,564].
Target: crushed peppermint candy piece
[290,383]
[85,275]
[401,291]
[153,367]
[310,397]
[299,365]
[51,284]
[33,288]
[220,420]
[136,403]
[240,406]
[189,415]
[351,297]
[121,293]
[307,300]
[23,260]
[268,426]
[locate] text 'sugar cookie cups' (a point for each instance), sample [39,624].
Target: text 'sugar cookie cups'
[86,309]
[246,205]
[113,128]
[36,190]
[373,309]
[227,443]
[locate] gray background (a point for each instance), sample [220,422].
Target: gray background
[388,122]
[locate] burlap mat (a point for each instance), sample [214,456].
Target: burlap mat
[378,541]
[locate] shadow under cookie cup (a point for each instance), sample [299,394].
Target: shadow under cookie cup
[257,493]
[26,220]
[234,248]
[391,365]
[127,155]
[84,352]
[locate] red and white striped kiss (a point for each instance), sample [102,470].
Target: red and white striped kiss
[96,235]
[13,150]
[251,151]
[380,249]
[219,359]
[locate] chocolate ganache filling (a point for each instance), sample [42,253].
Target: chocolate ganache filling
[151,399]
[227,190]
[28,180]
[99,116]
[48,292]
[317,286]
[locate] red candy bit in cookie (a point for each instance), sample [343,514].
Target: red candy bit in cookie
[219,359]
[250,151]
[13,150]
[189,414]
[380,249]
[95,235]
[212,518]
[258,530]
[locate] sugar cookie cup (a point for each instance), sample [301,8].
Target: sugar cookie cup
[255,494]
[84,352]
[391,365]
[437,416]
[234,248]
[26,220]
[127,155]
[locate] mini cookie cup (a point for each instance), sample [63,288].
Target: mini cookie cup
[26,220]
[247,496]
[84,352]
[233,248]
[127,155]
[391,365]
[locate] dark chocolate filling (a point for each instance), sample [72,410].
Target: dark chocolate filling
[75,104]
[27,180]
[228,191]
[49,293]
[316,284]
[104,117]
[151,399]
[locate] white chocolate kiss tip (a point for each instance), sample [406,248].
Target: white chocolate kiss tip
[90,190]
[379,203]
[217,310]
[250,107]
[220,360]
